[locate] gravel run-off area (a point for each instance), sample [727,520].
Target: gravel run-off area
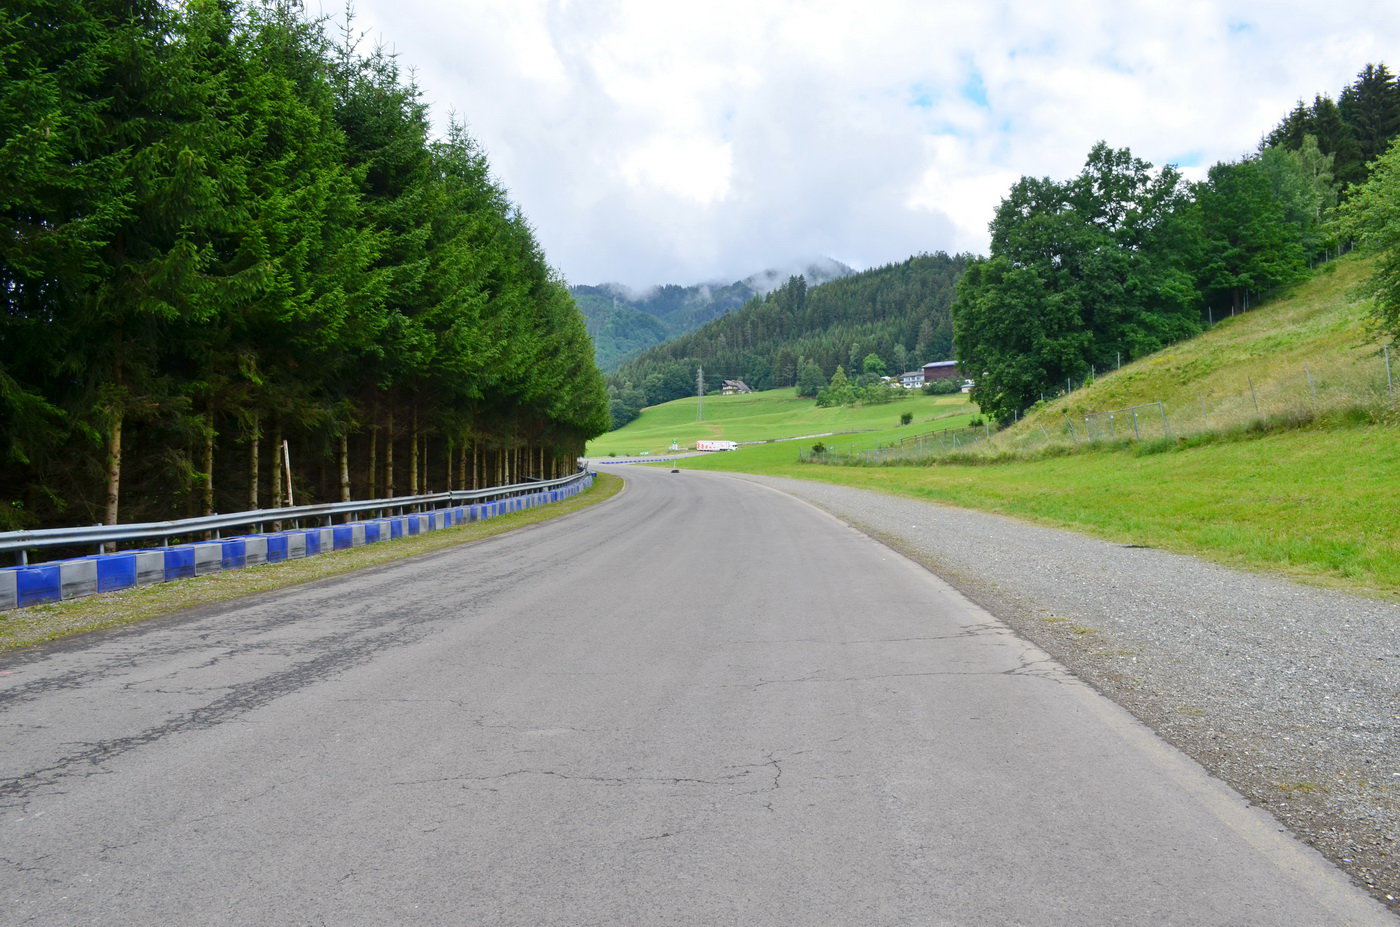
[1289,693]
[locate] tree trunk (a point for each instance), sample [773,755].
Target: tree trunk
[254,449]
[389,455]
[209,467]
[413,487]
[114,470]
[373,454]
[345,471]
[277,477]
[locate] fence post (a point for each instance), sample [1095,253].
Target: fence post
[1254,394]
[1311,388]
[1389,384]
[1166,426]
[1136,435]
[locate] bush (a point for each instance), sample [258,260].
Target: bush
[906,418]
[944,387]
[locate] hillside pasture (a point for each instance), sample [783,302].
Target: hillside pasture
[778,415]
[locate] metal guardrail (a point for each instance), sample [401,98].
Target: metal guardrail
[101,535]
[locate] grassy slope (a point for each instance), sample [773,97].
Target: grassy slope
[1317,503]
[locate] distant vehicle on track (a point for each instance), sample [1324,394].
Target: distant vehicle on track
[716,445]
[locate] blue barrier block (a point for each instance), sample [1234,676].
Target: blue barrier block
[276,548]
[116,571]
[179,563]
[344,537]
[234,554]
[371,532]
[38,584]
[395,527]
[312,543]
[412,525]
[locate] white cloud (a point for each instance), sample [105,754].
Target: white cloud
[653,141]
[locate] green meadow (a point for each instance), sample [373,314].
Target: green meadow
[778,415]
[1304,484]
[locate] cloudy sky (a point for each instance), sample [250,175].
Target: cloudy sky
[651,141]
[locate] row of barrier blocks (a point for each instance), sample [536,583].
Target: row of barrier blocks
[70,579]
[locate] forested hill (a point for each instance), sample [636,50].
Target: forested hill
[899,312]
[230,242]
[622,323]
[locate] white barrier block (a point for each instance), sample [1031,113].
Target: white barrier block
[77,578]
[296,545]
[9,589]
[208,558]
[150,567]
[254,550]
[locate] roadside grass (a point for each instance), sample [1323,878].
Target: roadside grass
[1316,504]
[37,623]
[768,416]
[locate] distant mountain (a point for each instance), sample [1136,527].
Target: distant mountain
[899,312]
[623,322]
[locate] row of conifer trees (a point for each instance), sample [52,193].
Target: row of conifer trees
[232,241]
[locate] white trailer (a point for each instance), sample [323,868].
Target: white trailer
[716,445]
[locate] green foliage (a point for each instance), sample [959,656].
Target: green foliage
[906,417]
[1372,216]
[1081,272]
[222,227]
[810,381]
[1247,244]
[1353,131]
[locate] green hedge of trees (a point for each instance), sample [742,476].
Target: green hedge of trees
[224,229]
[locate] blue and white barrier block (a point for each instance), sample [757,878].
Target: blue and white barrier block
[67,579]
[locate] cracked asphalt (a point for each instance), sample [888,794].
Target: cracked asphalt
[704,702]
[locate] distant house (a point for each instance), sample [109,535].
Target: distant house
[734,387]
[912,380]
[940,370]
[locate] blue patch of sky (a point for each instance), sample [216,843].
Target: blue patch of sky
[922,96]
[1191,158]
[1238,28]
[974,89]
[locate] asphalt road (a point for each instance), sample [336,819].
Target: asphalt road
[703,702]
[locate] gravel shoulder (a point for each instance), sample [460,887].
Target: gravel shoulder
[1289,693]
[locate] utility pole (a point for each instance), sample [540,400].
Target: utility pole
[700,394]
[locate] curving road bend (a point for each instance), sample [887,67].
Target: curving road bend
[704,702]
